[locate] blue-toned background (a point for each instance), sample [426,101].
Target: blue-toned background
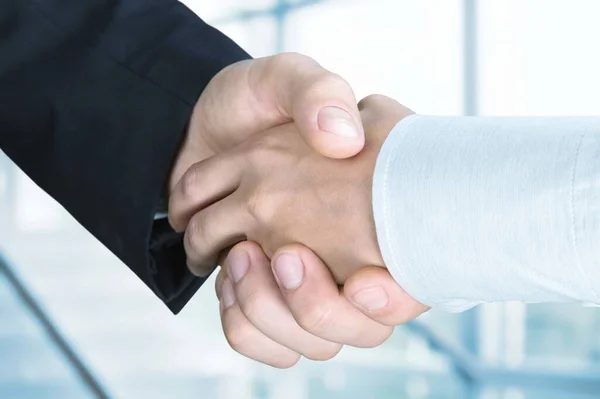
[68,331]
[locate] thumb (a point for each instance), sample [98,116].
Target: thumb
[321,103]
[370,287]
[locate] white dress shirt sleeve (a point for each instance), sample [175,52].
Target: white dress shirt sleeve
[485,209]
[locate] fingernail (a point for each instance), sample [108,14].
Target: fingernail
[237,264]
[227,293]
[372,298]
[289,271]
[337,121]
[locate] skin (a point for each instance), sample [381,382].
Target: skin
[273,189]
[251,96]
[262,318]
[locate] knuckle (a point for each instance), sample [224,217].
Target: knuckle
[239,337]
[253,206]
[193,233]
[189,183]
[317,320]
[200,263]
[261,207]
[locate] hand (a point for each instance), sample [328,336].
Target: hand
[264,321]
[253,95]
[273,325]
[245,99]
[273,189]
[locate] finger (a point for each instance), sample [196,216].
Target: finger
[245,339]
[213,230]
[322,104]
[375,292]
[316,302]
[382,104]
[260,300]
[202,184]
[219,282]
[379,112]
[379,115]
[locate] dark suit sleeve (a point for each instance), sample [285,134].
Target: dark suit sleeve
[94,99]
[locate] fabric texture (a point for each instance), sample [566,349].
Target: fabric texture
[95,96]
[485,209]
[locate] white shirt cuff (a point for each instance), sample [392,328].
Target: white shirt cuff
[470,210]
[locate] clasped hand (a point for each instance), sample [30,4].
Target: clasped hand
[269,197]
[273,189]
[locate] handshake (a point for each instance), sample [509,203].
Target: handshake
[274,183]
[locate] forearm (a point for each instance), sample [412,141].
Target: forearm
[95,98]
[472,210]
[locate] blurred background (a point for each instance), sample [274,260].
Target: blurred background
[68,331]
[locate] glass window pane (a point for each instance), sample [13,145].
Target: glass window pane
[539,57]
[564,336]
[212,11]
[535,58]
[409,50]
[533,393]
[257,36]
[30,364]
